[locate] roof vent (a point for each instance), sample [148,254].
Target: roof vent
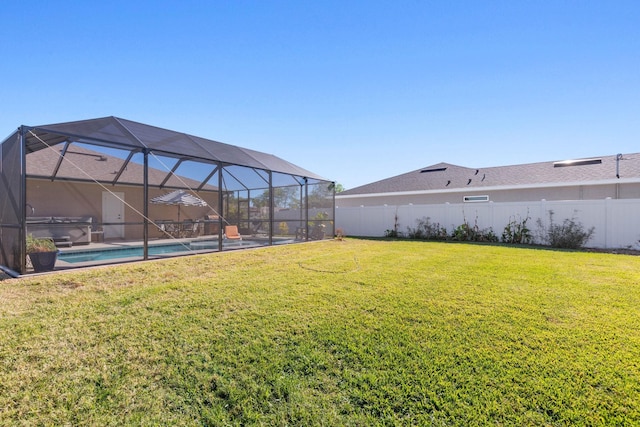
[469,182]
[581,162]
[433,170]
[99,157]
[448,182]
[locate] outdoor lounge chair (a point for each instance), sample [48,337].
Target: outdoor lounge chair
[231,232]
[192,229]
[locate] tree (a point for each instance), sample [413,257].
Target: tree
[284,197]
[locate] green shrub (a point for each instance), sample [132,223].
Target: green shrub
[465,232]
[394,232]
[570,234]
[425,229]
[391,233]
[517,232]
[36,244]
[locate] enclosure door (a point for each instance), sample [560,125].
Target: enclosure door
[113,215]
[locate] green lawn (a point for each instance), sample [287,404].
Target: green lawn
[353,333]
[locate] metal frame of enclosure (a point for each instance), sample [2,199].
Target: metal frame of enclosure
[89,184]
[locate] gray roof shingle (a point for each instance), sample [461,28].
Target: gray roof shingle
[82,164]
[446,176]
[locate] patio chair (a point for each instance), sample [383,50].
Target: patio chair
[231,232]
[192,229]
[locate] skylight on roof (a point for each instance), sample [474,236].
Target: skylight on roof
[433,170]
[581,162]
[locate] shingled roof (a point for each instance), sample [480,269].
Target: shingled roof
[83,164]
[446,176]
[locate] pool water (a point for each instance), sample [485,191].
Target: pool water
[137,251]
[109,254]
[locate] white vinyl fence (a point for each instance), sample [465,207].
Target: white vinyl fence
[616,222]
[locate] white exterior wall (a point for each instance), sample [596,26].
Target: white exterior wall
[616,221]
[622,190]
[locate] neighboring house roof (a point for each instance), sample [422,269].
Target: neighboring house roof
[83,164]
[125,134]
[448,177]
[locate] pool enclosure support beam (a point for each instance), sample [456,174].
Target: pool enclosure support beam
[171,173]
[333,218]
[22,205]
[60,159]
[301,206]
[213,172]
[221,207]
[306,209]
[271,208]
[124,166]
[239,206]
[145,207]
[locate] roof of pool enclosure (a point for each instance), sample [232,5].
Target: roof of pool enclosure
[120,133]
[90,183]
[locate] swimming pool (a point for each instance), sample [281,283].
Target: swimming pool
[106,254]
[109,254]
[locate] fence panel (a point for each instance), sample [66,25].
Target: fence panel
[591,213]
[616,222]
[624,224]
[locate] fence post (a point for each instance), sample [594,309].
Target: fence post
[447,207]
[607,216]
[491,217]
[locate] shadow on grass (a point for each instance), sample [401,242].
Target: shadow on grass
[616,251]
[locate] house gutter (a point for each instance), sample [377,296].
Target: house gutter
[491,188]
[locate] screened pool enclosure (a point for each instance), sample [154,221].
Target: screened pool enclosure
[112,190]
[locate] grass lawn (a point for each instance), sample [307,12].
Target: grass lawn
[333,333]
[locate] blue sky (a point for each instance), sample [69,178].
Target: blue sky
[355,91]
